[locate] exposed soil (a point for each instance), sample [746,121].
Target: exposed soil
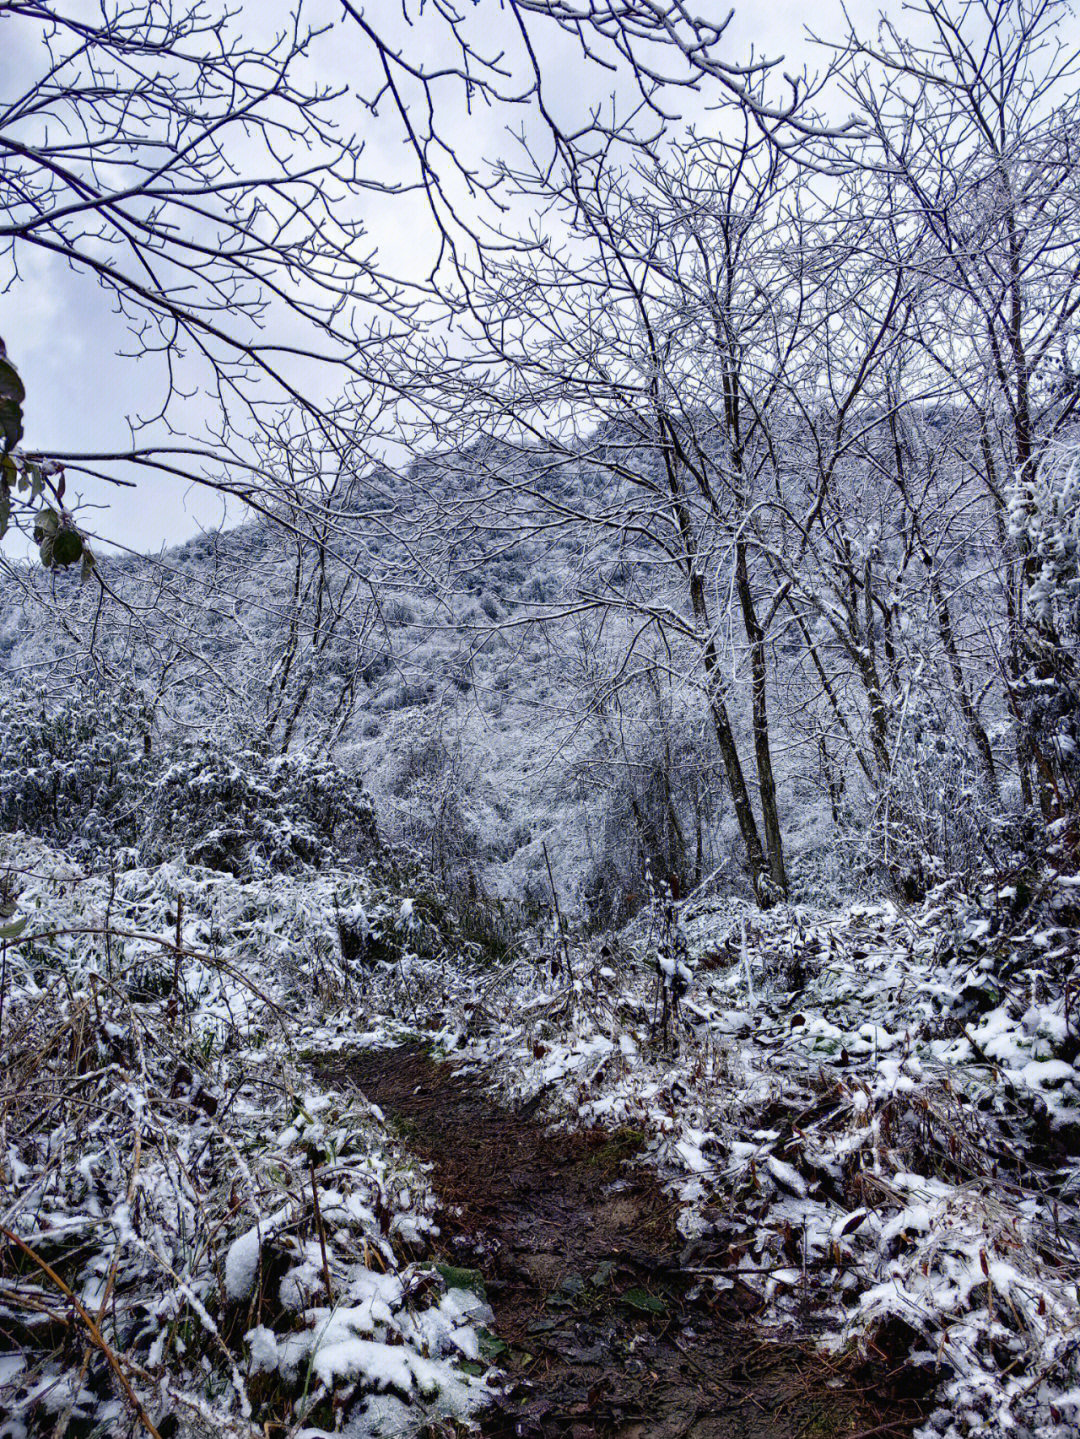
[606,1334]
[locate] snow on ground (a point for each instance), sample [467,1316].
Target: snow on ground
[870,1116]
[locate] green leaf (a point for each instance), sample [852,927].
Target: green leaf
[5,509]
[46,524]
[491,1346]
[456,1278]
[15,928]
[67,547]
[643,1300]
[470,1366]
[12,396]
[601,1275]
[558,1300]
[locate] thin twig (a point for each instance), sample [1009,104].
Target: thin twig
[91,1327]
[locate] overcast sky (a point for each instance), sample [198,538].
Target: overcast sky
[66,342]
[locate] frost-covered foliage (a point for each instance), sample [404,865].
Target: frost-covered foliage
[937,816]
[72,766]
[199,1226]
[1044,517]
[248,813]
[88,773]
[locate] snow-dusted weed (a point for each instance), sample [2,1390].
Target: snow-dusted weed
[195,1226]
[866,1117]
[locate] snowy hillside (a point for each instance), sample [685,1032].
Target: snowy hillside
[462,672]
[460,696]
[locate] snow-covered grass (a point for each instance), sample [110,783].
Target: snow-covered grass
[870,1118]
[196,1227]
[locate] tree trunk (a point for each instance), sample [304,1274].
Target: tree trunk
[740,795]
[762,750]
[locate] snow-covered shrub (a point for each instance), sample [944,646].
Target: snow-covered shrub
[247,813]
[73,770]
[937,817]
[88,774]
[246,1238]
[1044,522]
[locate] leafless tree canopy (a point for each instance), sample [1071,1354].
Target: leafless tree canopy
[792,398]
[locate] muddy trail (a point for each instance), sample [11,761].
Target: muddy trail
[600,1329]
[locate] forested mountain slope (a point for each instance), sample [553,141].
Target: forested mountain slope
[489,641]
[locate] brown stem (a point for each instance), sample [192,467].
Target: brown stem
[91,1327]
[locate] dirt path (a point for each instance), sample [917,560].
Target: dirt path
[605,1334]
